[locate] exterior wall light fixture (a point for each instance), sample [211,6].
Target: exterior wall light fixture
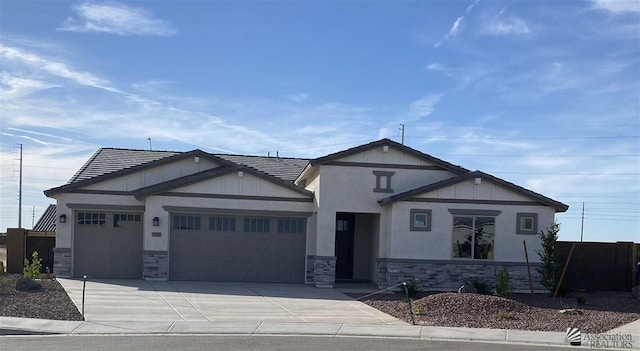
[156,221]
[63,218]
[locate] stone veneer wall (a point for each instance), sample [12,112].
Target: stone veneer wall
[155,265]
[449,275]
[321,270]
[62,262]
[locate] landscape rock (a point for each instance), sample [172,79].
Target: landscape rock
[27,284]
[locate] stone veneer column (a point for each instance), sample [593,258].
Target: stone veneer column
[155,265]
[62,262]
[324,274]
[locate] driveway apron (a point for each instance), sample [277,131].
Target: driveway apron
[140,300]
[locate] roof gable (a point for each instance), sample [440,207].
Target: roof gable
[331,158]
[47,222]
[558,206]
[163,187]
[103,163]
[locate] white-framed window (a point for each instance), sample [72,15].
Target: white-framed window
[383,181]
[92,218]
[222,224]
[420,220]
[526,223]
[186,222]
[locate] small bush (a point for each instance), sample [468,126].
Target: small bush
[413,289]
[32,270]
[503,282]
[506,315]
[481,287]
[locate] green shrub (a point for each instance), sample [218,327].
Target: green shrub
[503,282]
[413,289]
[481,287]
[551,269]
[32,270]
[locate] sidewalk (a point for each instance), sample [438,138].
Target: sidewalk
[27,326]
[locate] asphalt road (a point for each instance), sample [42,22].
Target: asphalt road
[230,343]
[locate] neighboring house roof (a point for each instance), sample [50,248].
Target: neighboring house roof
[558,206]
[354,150]
[47,222]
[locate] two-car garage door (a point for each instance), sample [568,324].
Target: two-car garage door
[237,248]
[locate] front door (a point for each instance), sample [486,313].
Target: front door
[344,245]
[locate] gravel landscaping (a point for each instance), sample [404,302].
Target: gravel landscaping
[601,311]
[50,302]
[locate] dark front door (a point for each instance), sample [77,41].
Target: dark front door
[344,245]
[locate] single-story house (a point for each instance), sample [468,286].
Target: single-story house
[380,212]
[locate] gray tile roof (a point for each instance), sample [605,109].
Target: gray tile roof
[47,222]
[284,168]
[108,160]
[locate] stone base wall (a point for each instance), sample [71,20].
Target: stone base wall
[321,270]
[62,262]
[155,265]
[451,275]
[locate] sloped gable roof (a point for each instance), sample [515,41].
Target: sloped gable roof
[558,206]
[282,167]
[358,149]
[101,166]
[210,174]
[47,222]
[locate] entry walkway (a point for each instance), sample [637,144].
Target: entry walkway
[155,301]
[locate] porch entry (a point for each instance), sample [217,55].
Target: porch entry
[356,246]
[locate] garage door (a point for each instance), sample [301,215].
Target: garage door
[236,248]
[107,245]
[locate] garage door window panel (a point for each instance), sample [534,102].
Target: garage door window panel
[186,222]
[92,218]
[222,224]
[291,225]
[126,220]
[257,225]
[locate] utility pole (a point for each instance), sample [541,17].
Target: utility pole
[150,148]
[582,226]
[402,130]
[33,217]
[20,192]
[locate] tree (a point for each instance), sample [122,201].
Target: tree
[551,268]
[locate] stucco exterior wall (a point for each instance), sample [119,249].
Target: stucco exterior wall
[154,175]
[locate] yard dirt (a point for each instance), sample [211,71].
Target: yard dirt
[601,311]
[50,302]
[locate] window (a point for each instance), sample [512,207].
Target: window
[383,182]
[527,223]
[291,225]
[257,225]
[186,222]
[421,220]
[118,217]
[92,218]
[473,237]
[342,225]
[222,224]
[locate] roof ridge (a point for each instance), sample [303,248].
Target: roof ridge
[265,157]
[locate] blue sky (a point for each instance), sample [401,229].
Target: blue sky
[545,94]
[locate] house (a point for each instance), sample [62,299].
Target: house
[379,212]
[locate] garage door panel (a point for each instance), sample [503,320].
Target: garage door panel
[109,247]
[236,256]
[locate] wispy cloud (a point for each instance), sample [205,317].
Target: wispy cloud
[505,25]
[13,87]
[116,18]
[457,26]
[617,6]
[300,97]
[424,106]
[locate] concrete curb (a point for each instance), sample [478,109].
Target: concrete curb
[10,326]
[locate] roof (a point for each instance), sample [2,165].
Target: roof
[284,168]
[558,206]
[47,222]
[354,150]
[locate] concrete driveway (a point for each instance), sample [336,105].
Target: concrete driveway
[140,300]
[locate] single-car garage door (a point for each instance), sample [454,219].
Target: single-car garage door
[107,245]
[237,248]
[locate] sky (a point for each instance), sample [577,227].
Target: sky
[544,94]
